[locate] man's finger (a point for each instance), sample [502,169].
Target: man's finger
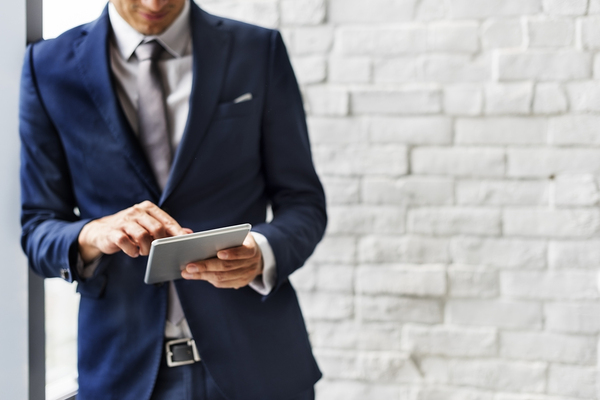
[247,250]
[139,236]
[154,227]
[216,265]
[171,226]
[124,242]
[224,278]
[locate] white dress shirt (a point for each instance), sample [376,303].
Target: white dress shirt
[176,75]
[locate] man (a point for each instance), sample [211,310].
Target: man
[108,165]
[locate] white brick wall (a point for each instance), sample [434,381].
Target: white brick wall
[459,145]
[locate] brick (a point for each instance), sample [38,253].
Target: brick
[305,278]
[350,69]
[569,223]
[398,309]
[313,39]
[449,341]
[375,11]
[351,390]
[584,96]
[335,249]
[408,191]
[501,192]
[430,10]
[405,69]
[501,314]
[567,380]
[498,375]
[463,99]
[411,280]
[502,253]
[387,367]
[544,32]
[326,305]
[408,101]
[450,221]
[356,335]
[340,190]
[597,66]
[501,130]
[512,396]
[453,37]
[572,317]
[263,13]
[454,68]
[334,278]
[458,161]
[565,7]
[574,255]
[549,98]
[501,33]
[547,162]
[453,393]
[590,32]
[553,285]
[389,160]
[382,41]
[337,130]
[327,100]
[411,130]
[366,219]
[337,364]
[466,281]
[550,347]
[508,98]
[543,65]
[410,249]
[493,8]
[576,190]
[310,69]
[302,12]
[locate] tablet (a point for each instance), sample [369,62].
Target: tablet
[169,256]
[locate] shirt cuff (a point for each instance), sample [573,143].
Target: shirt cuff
[265,282]
[87,270]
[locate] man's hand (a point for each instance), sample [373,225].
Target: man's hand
[131,230]
[232,268]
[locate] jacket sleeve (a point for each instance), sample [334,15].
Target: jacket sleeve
[294,190]
[50,227]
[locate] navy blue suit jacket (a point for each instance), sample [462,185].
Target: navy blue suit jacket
[78,151]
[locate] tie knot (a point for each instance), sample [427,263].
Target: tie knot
[148,51]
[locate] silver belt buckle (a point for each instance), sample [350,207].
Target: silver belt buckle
[189,342]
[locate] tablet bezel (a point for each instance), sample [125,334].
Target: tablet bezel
[168,256]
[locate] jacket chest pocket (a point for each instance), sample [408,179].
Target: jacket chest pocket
[234,110]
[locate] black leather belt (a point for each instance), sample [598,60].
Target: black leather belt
[181,352]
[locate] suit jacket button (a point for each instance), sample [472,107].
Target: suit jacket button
[64,273]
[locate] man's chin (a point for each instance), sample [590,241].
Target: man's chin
[150,29]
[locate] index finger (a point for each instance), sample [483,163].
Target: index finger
[171,226]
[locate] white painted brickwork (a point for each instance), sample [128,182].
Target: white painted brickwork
[459,145]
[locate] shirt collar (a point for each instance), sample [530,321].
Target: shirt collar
[175,39]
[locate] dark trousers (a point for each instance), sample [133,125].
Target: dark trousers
[192,382]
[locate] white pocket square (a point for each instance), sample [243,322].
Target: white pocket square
[244,97]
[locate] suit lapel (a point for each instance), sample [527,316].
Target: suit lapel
[94,62]
[211,48]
